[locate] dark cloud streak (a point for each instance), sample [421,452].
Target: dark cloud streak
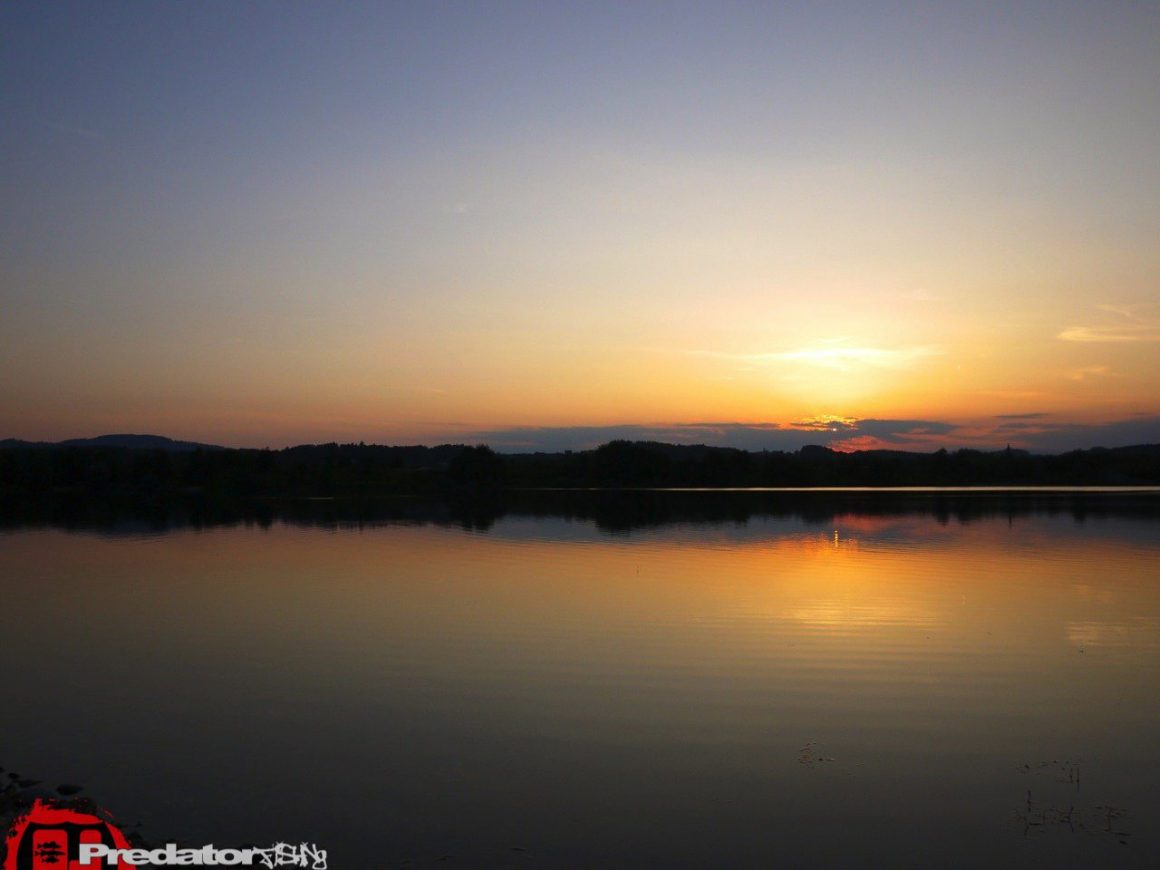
[1036,432]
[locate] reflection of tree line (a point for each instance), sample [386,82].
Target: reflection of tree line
[612,511]
[351,469]
[623,463]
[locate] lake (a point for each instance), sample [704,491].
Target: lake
[604,679]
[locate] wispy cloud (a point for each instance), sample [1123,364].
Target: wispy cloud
[1132,323]
[826,424]
[1128,311]
[1022,426]
[1087,373]
[1110,334]
[895,435]
[1132,312]
[834,356]
[1011,394]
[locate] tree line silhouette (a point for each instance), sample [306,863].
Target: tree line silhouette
[362,469]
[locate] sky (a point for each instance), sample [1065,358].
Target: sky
[542,225]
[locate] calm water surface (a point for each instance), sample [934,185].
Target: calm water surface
[788,689]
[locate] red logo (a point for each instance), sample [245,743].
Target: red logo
[49,837]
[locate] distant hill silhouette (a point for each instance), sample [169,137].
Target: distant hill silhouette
[129,442]
[151,465]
